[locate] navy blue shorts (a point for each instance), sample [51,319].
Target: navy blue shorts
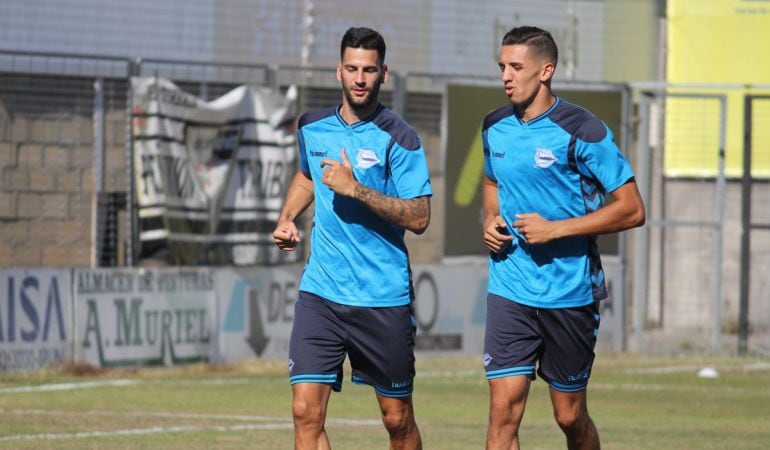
[378,341]
[561,341]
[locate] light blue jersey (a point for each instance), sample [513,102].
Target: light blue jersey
[558,165]
[357,258]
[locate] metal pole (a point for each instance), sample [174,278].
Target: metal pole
[132,226]
[720,221]
[271,78]
[399,93]
[743,311]
[96,235]
[641,235]
[625,126]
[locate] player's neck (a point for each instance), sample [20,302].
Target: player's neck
[540,104]
[354,115]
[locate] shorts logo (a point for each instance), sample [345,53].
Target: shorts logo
[487,359]
[400,384]
[544,158]
[291,364]
[578,377]
[366,158]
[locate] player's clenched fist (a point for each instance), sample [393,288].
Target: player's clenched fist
[286,236]
[496,236]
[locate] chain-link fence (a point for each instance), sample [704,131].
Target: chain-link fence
[64,191]
[688,273]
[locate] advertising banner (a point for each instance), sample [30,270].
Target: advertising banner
[148,317]
[210,177]
[450,308]
[256,310]
[35,319]
[144,317]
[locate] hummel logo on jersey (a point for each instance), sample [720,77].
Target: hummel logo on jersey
[366,158]
[544,158]
[318,154]
[498,154]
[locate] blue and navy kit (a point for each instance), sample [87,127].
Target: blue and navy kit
[559,165]
[356,257]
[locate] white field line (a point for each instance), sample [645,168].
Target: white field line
[211,381]
[674,387]
[694,368]
[451,373]
[140,431]
[67,386]
[273,423]
[174,415]
[117,383]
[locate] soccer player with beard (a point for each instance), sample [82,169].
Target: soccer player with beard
[548,165]
[366,171]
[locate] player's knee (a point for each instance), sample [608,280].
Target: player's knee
[306,413]
[398,421]
[572,420]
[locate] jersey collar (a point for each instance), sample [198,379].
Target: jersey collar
[371,116]
[538,118]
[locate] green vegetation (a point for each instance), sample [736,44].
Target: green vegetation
[636,402]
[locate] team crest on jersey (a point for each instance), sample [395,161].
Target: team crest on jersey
[544,158]
[366,158]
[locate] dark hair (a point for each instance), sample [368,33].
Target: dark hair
[538,39]
[365,38]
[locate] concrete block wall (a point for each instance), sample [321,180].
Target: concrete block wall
[46,190]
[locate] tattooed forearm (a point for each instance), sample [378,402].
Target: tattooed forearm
[412,214]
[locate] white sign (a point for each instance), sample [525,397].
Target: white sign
[256,311]
[35,319]
[144,317]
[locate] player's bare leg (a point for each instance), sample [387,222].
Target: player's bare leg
[507,399]
[308,407]
[398,418]
[571,412]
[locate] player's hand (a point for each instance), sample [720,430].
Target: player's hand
[534,228]
[496,236]
[338,176]
[286,236]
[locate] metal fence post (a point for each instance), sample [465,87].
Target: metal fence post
[134,69]
[743,308]
[399,93]
[99,150]
[720,223]
[641,236]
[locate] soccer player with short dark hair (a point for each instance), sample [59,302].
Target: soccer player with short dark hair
[365,168]
[548,165]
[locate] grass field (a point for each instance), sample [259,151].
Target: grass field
[636,402]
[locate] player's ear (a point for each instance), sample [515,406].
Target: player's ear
[384,73]
[547,70]
[339,72]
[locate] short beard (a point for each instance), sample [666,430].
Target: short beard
[373,97]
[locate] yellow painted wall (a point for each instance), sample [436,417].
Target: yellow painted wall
[716,42]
